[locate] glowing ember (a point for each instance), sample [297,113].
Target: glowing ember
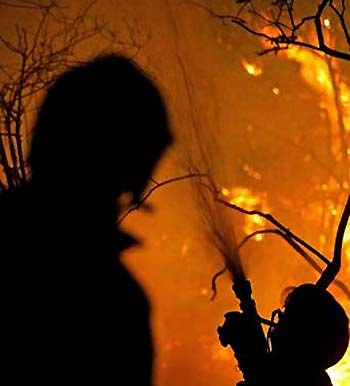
[225,192]
[276,90]
[327,23]
[252,172]
[252,68]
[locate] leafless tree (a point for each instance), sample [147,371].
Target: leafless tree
[281,24]
[322,27]
[35,55]
[248,8]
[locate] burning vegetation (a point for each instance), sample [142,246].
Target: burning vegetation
[316,157]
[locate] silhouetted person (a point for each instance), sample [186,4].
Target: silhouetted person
[72,313]
[312,334]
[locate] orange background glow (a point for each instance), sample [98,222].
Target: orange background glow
[277,143]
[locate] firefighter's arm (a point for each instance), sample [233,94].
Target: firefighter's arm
[234,333]
[239,333]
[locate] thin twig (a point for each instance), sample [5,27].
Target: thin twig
[280,226]
[338,283]
[287,35]
[153,189]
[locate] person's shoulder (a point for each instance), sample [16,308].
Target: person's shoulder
[128,288]
[10,199]
[7,203]
[12,206]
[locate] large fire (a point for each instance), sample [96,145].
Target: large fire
[323,76]
[243,197]
[340,373]
[334,94]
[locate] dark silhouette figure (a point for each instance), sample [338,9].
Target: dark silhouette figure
[312,334]
[72,312]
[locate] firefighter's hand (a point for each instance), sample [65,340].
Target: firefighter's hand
[230,333]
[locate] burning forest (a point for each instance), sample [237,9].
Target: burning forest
[251,198]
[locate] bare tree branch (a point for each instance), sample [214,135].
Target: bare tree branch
[338,283]
[341,18]
[333,268]
[153,189]
[283,23]
[280,226]
[38,53]
[32,4]
[293,240]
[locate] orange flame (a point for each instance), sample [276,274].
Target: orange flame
[322,75]
[340,373]
[244,198]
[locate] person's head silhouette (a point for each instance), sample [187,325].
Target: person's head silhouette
[101,129]
[313,330]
